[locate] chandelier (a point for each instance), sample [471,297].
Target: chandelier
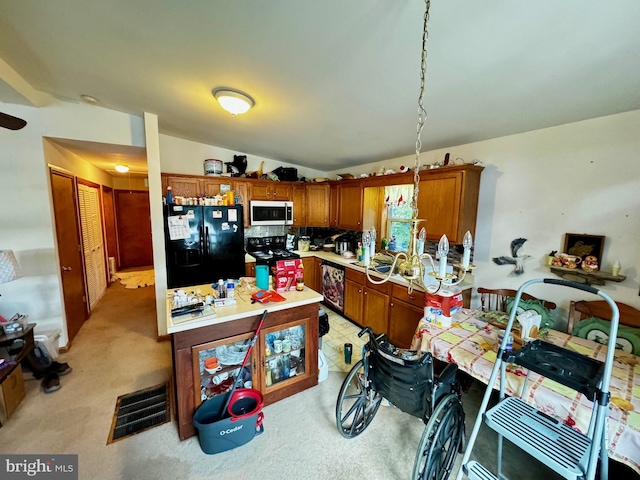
[410,264]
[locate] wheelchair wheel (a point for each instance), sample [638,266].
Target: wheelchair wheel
[441,441]
[357,403]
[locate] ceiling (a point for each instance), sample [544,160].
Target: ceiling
[335,82]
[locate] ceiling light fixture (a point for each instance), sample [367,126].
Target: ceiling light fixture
[233,101]
[410,263]
[122,168]
[89,99]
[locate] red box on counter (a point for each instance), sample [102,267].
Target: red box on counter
[445,302]
[286,273]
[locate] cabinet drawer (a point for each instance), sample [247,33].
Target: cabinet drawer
[384,288]
[416,298]
[354,275]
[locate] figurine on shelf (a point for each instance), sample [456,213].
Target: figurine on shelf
[616,268]
[590,264]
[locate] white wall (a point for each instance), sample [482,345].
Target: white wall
[70,162]
[26,222]
[582,177]
[187,157]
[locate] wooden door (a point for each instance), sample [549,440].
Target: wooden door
[403,320]
[183,186]
[350,198]
[69,251]
[299,196]
[353,301]
[109,221]
[375,313]
[133,221]
[318,205]
[309,265]
[241,189]
[260,190]
[439,203]
[280,191]
[92,243]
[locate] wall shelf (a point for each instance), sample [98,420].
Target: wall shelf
[590,278]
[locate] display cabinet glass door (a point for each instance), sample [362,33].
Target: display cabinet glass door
[217,364]
[285,354]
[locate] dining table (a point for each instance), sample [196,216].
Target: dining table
[471,342]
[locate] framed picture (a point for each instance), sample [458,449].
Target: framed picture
[583,245]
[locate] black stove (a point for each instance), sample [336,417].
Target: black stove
[268,250]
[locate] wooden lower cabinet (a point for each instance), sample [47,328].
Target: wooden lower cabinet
[313,273]
[250,269]
[365,303]
[276,374]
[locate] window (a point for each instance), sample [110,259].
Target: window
[398,202]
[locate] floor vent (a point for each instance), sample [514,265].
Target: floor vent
[140,411]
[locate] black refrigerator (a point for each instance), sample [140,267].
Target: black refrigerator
[203,244]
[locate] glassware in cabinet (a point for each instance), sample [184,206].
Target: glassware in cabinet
[284,353]
[217,364]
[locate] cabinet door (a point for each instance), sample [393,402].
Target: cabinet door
[309,265]
[318,274]
[184,186]
[375,313]
[333,207]
[318,205]
[250,269]
[403,321]
[260,191]
[285,355]
[280,191]
[439,203]
[353,301]
[350,198]
[242,190]
[299,197]
[211,186]
[230,353]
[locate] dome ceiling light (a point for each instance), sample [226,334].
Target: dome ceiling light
[233,101]
[122,168]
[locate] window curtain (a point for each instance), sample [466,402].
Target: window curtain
[398,195]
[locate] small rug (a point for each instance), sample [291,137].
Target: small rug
[143,278]
[140,411]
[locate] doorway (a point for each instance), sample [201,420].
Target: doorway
[133,226]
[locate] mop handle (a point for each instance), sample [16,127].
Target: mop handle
[244,362]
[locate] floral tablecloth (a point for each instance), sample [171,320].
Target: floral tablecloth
[472,344]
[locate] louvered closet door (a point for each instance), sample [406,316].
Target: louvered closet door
[92,242]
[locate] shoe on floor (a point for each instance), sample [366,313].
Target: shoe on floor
[51,383]
[59,368]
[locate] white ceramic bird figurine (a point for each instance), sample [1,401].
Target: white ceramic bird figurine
[515,259]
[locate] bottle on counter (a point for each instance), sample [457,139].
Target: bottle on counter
[221,289]
[169,195]
[231,291]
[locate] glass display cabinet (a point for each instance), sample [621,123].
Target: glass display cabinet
[284,355]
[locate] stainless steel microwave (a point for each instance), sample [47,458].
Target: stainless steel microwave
[271,213]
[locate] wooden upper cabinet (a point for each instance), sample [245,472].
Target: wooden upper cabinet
[299,198]
[350,203]
[318,200]
[448,201]
[242,190]
[211,186]
[270,190]
[182,186]
[333,207]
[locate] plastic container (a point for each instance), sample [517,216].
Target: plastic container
[213,167]
[49,341]
[323,367]
[217,432]
[262,277]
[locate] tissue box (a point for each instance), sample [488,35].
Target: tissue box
[530,324]
[445,303]
[286,273]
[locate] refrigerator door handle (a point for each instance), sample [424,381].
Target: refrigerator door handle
[202,251]
[206,241]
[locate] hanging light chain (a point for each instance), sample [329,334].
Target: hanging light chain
[422,113]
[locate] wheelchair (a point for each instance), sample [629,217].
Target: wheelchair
[408,380]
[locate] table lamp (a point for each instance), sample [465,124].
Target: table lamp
[9,269]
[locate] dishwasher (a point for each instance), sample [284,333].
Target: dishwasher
[333,285]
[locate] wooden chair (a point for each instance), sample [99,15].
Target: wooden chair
[496,300]
[600,308]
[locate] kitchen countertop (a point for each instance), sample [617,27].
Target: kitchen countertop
[242,309]
[466,284]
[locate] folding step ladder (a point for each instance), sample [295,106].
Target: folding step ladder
[569,453]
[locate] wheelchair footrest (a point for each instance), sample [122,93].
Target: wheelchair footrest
[475,471]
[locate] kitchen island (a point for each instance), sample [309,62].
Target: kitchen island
[224,333]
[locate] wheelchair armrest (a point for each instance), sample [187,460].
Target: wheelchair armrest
[448,375]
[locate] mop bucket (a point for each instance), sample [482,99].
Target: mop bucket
[219,434]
